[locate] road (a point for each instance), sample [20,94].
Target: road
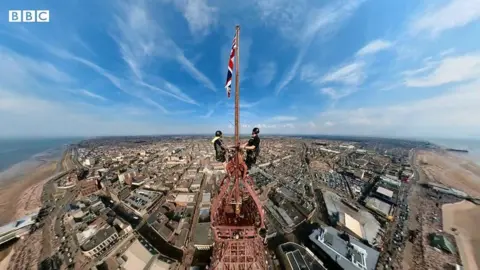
[390,250]
[188,257]
[48,235]
[413,252]
[306,160]
[33,247]
[48,227]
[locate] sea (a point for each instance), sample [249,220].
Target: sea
[20,155]
[472,145]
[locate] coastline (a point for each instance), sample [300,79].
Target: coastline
[21,188]
[449,169]
[460,219]
[472,146]
[21,194]
[21,184]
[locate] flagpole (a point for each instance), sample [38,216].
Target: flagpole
[237,119]
[237,87]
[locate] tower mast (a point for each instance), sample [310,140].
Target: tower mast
[237,119]
[237,87]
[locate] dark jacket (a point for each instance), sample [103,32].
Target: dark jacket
[220,149]
[253,154]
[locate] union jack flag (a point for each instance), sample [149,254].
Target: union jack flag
[228,83]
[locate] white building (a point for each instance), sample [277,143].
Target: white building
[102,241]
[89,162]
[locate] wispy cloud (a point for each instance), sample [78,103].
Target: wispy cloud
[173,90]
[447,52]
[348,77]
[246,105]
[199,15]
[324,20]
[83,44]
[21,115]
[456,13]
[190,68]
[337,94]
[123,85]
[91,94]
[283,15]
[25,104]
[329,18]
[292,71]
[127,86]
[449,113]
[132,88]
[429,65]
[141,38]
[266,73]
[20,67]
[284,118]
[136,35]
[211,109]
[452,69]
[268,127]
[374,47]
[350,74]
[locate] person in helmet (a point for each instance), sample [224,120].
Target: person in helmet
[253,148]
[220,147]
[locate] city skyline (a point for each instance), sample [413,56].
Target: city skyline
[367,68]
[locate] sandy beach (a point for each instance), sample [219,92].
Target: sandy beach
[19,196]
[461,220]
[451,170]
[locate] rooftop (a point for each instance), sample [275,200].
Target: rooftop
[98,238]
[203,234]
[137,256]
[358,220]
[20,223]
[385,192]
[185,198]
[299,257]
[351,254]
[378,205]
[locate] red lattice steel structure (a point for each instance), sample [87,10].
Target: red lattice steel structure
[237,215]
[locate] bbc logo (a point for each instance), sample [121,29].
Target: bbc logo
[29,16]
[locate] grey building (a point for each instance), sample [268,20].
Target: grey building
[341,251]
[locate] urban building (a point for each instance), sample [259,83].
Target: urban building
[100,242]
[339,250]
[295,257]
[184,199]
[88,187]
[346,216]
[203,236]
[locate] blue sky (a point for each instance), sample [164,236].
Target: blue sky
[373,67]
